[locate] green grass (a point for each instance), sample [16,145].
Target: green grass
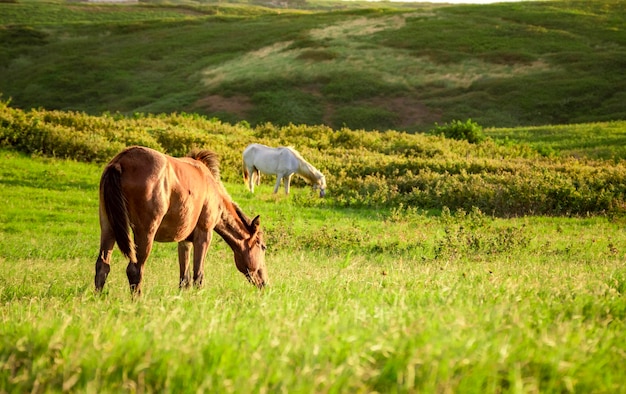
[369,292]
[372,66]
[597,141]
[391,300]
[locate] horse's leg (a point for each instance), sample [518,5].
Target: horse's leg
[201,243]
[277,185]
[134,270]
[184,251]
[252,172]
[103,263]
[287,181]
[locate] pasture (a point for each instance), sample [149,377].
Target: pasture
[432,264]
[387,300]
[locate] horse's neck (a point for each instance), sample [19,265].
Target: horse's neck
[231,227]
[307,170]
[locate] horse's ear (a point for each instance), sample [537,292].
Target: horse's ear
[254,225]
[254,231]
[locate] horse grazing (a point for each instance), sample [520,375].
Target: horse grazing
[167,199]
[282,161]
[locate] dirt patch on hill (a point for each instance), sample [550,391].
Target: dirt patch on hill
[410,111]
[238,105]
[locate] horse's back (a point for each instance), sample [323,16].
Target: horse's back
[253,150]
[138,163]
[142,171]
[193,200]
[268,159]
[145,167]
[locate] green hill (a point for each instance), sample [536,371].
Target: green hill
[376,67]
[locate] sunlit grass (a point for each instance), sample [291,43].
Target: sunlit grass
[395,66]
[56,13]
[342,313]
[599,141]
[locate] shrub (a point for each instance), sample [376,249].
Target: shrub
[363,169]
[469,131]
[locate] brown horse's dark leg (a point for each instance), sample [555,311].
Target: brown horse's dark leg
[103,267]
[134,270]
[201,243]
[184,251]
[134,273]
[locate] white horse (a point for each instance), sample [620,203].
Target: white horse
[282,161]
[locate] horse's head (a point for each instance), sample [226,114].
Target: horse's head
[251,260]
[321,184]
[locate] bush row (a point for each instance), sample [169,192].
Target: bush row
[381,169]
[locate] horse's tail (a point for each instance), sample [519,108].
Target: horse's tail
[246,174]
[116,209]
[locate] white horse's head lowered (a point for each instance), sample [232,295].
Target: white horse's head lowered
[321,184]
[311,174]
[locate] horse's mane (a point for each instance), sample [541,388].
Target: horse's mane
[295,152]
[314,171]
[209,159]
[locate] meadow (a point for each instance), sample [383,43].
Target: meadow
[438,262]
[367,300]
[371,295]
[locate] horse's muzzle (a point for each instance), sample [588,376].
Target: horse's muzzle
[257,280]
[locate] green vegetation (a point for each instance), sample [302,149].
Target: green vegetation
[468,131]
[387,66]
[384,299]
[363,169]
[468,258]
[591,140]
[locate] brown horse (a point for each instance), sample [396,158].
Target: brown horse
[167,199]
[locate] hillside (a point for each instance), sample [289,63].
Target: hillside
[375,67]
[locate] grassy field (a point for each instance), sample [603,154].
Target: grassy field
[433,265]
[390,65]
[361,300]
[597,141]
